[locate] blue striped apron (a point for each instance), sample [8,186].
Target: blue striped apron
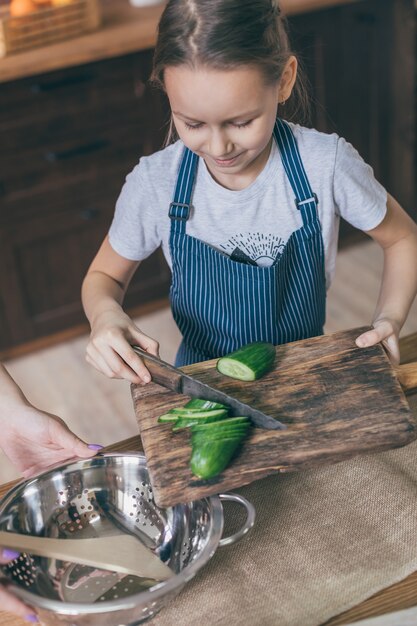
[220,304]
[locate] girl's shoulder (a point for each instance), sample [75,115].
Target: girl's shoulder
[153,176]
[324,148]
[312,139]
[164,161]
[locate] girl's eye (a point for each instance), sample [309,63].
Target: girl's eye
[193,126]
[200,124]
[242,124]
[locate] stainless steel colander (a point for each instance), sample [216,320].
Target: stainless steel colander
[106,496]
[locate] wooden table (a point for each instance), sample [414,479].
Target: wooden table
[402,595]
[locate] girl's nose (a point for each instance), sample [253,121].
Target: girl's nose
[220,145]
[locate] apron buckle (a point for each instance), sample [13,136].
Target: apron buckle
[179,211]
[299,203]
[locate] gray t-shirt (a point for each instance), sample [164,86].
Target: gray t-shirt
[258,220]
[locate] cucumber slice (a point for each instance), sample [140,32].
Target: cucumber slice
[167,418]
[222,429]
[181,410]
[236,427]
[219,413]
[249,362]
[185,422]
[198,439]
[175,415]
[221,432]
[224,423]
[200,404]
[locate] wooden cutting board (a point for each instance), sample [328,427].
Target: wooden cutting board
[337,400]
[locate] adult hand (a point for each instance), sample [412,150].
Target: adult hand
[9,602]
[110,347]
[33,440]
[385,331]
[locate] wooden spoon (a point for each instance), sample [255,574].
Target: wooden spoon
[120,553]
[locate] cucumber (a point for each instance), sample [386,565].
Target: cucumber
[249,362]
[215,443]
[211,458]
[215,437]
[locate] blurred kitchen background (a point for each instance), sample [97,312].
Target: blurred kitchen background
[76,113]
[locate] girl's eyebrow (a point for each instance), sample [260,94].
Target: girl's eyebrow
[185,117]
[246,115]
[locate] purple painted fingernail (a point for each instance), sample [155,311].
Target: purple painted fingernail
[32,618]
[95,446]
[10,554]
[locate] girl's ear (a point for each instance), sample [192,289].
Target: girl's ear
[287,80]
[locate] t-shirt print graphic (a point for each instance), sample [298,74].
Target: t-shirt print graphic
[254,248]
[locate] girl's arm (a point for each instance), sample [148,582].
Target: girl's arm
[33,439]
[397,236]
[112,331]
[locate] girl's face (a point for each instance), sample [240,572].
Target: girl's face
[226,117]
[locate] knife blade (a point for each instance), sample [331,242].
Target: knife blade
[176,380]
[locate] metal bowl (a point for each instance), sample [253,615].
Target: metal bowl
[106,496]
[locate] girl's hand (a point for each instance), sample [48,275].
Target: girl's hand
[9,602]
[34,440]
[385,331]
[110,347]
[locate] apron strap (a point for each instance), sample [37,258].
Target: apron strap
[306,200]
[179,209]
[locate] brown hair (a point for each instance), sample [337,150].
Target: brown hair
[223,34]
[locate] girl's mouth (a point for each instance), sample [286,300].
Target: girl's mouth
[226,162]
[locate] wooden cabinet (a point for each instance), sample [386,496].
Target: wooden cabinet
[69,137]
[360,60]
[67,141]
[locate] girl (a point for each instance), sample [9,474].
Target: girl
[245,205]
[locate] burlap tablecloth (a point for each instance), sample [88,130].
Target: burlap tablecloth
[323,541]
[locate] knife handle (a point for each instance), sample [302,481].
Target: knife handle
[162,373]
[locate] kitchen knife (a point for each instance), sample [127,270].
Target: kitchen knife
[175,379]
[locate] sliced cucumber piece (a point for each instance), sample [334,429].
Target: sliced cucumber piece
[186,422]
[181,410]
[221,432]
[168,418]
[219,413]
[176,414]
[195,415]
[197,403]
[224,423]
[221,429]
[249,362]
[198,440]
